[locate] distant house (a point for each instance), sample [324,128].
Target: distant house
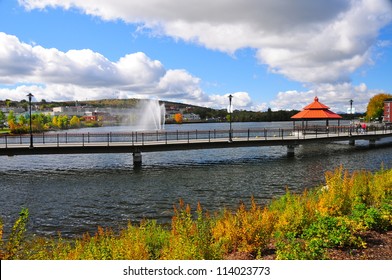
[388,110]
[70,111]
[191,117]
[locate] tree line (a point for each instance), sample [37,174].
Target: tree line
[44,122]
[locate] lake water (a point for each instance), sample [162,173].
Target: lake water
[74,194]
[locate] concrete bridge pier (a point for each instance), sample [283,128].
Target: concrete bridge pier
[290,150]
[137,159]
[372,143]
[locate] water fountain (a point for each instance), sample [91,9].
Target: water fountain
[151,115]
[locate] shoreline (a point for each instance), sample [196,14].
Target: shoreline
[349,219]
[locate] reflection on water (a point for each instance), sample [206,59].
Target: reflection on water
[76,193]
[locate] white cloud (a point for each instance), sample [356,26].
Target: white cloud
[311,41]
[240,101]
[319,43]
[335,96]
[83,74]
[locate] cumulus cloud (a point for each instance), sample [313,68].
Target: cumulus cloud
[311,41]
[83,74]
[316,42]
[336,96]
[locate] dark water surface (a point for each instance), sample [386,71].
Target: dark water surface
[76,193]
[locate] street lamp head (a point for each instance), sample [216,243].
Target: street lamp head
[30,95]
[230,97]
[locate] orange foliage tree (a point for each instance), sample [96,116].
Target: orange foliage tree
[375,108]
[178,118]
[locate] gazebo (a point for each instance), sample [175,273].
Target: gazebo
[316,111]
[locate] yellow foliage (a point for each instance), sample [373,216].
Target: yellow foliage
[358,200]
[245,231]
[376,105]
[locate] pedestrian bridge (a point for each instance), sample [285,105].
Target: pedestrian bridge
[157,141]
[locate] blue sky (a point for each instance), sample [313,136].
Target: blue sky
[267,54]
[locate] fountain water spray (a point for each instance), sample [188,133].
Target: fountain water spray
[151,115]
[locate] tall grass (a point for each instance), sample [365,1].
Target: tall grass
[298,226]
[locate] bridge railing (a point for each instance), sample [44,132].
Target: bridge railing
[169,136]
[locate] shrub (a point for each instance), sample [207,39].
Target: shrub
[245,231]
[190,239]
[16,238]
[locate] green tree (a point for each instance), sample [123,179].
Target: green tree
[2,119]
[11,116]
[375,108]
[22,120]
[62,122]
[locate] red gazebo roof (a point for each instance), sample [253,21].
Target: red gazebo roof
[316,111]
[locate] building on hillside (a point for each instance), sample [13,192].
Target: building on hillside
[388,110]
[191,117]
[70,111]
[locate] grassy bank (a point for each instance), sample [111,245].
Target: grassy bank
[297,226]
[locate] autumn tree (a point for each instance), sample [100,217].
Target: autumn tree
[178,118]
[11,119]
[62,122]
[74,122]
[54,121]
[375,108]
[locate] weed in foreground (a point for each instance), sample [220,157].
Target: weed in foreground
[302,226]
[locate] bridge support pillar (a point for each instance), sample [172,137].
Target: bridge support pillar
[372,143]
[290,150]
[351,142]
[137,159]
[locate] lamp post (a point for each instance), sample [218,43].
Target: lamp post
[31,131]
[351,106]
[230,111]
[351,118]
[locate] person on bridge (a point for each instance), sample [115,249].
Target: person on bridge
[364,128]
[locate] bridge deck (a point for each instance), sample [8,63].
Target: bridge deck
[74,143]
